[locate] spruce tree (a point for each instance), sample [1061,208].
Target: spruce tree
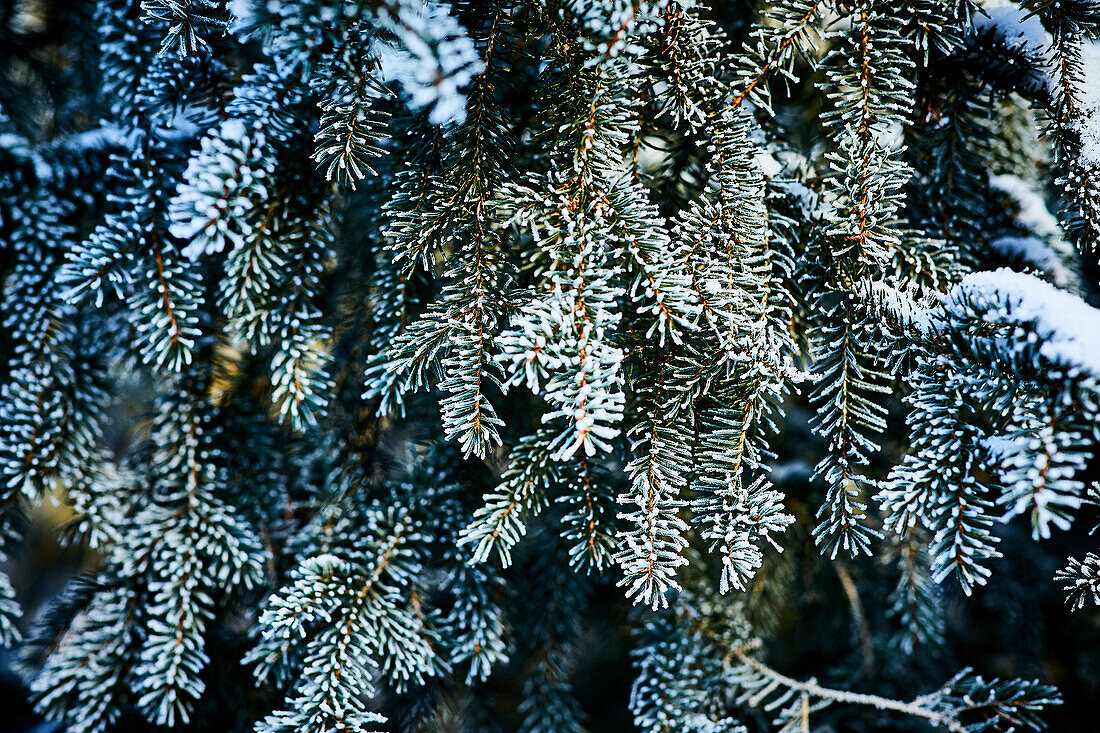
[401,364]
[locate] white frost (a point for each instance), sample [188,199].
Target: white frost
[219,187]
[436,60]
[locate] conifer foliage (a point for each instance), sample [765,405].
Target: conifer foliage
[386,353]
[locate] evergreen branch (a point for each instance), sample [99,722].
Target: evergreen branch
[502,520]
[922,707]
[1082,579]
[775,48]
[653,549]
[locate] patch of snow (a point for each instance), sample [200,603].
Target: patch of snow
[803,193]
[1047,249]
[15,143]
[769,166]
[1039,254]
[1034,213]
[1089,124]
[1017,26]
[1021,32]
[20,147]
[998,447]
[99,138]
[1069,327]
